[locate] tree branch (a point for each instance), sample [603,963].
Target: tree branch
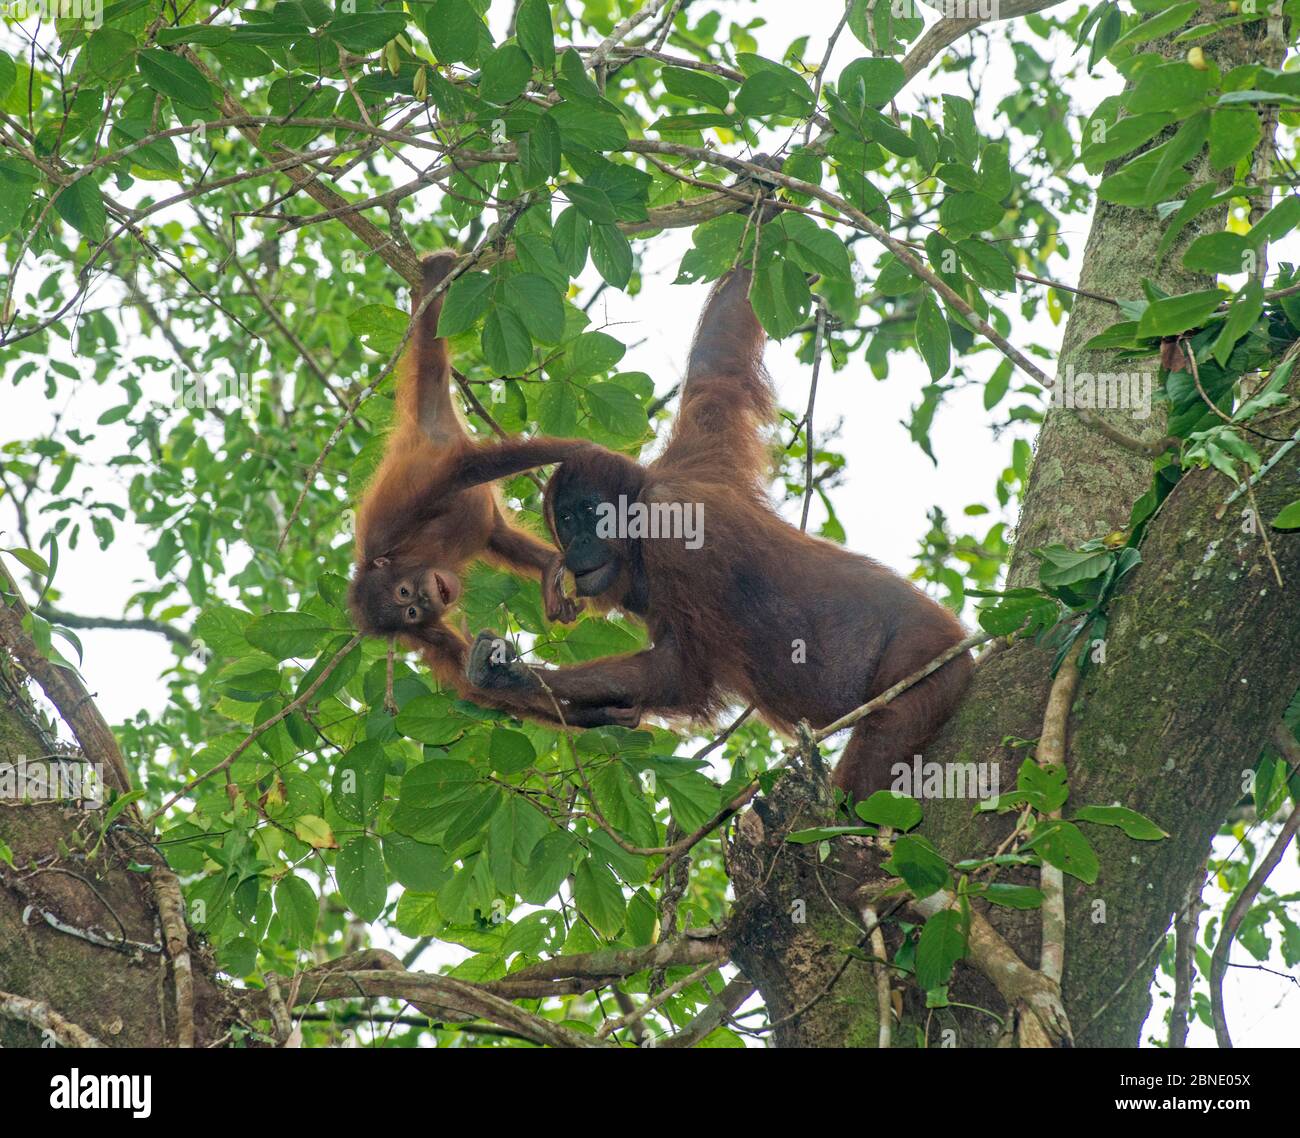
[1286,743]
[135,624]
[44,1018]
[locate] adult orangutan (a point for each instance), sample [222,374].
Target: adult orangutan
[757,611]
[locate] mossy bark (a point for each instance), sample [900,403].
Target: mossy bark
[100,964]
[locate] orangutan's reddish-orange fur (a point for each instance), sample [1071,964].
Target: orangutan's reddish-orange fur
[431,509]
[761,613]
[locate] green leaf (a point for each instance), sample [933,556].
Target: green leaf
[416,865]
[611,253]
[9,73]
[574,83]
[1176,87]
[505,74]
[357,787]
[30,559]
[600,898]
[693,799]
[1061,844]
[1177,153]
[158,155]
[592,201]
[243,60]
[1161,24]
[942,943]
[557,409]
[513,833]
[616,409]
[1062,566]
[297,907]
[997,386]
[379,327]
[1173,314]
[775,91]
[885,808]
[880,128]
[418,914]
[816,250]
[1277,223]
[896,279]
[1135,825]
[120,803]
[825,833]
[17,180]
[780,297]
[363,882]
[536,33]
[1014,896]
[586,128]
[220,628]
[959,125]
[1132,183]
[1220,252]
[696,85]
[572,237]
[1243,314]
[715,246]
[539,152]
[964,212]
[286,634]
[364,32]
[593,353]
[1288,517]
[1234,134]
[507,347]
[918,863]
[987,265]
[81,205]
[1197,201]
[426,720]
[873,81]
[696,121]
[550,864]
[109,55]
[1109,138]
[176,78]
[539,305]
[1045,788]
[932,336]
[453,30]
[466,300]
[510,751]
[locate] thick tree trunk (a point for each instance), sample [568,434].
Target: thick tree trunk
[79,931]
[1201,659]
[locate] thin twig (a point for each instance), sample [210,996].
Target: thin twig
[892,693]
